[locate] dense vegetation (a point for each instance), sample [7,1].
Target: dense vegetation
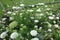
[29,19]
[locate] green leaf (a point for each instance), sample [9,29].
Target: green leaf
[13,24]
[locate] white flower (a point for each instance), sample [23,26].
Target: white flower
[36,21]
[35,39]
[33,33]
[22,5]
[3,19]
[54,21]
[36,26]
[56,26]
[38,10]
[3,35]
[11,18]
[9,12]
[32,17]
[51,17]
[15,7]
[14,35]
[32,5]
[30,10]
[57,17]
[49,30]
[41,14]
[41,4]
[40,28]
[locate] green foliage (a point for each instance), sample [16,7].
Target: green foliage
[42,16]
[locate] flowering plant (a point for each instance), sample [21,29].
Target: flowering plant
[36,21]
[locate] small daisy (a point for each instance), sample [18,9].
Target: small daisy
[41,14]
[35,39]
[36,21]
[35,26]
[56,26]
[41,4]
[49,30]
[38,10]
[57,17]
[51,17]
[3,19]
[11,18]
[33,33]
[22,5]
[3,35]
[32,5]
[9,12]
[14,35]
[30,10]
[15,7]
[40,28]
[32,17]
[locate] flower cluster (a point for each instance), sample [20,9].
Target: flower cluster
[32,22]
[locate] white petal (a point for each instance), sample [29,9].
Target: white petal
[14,35]
[33,33]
